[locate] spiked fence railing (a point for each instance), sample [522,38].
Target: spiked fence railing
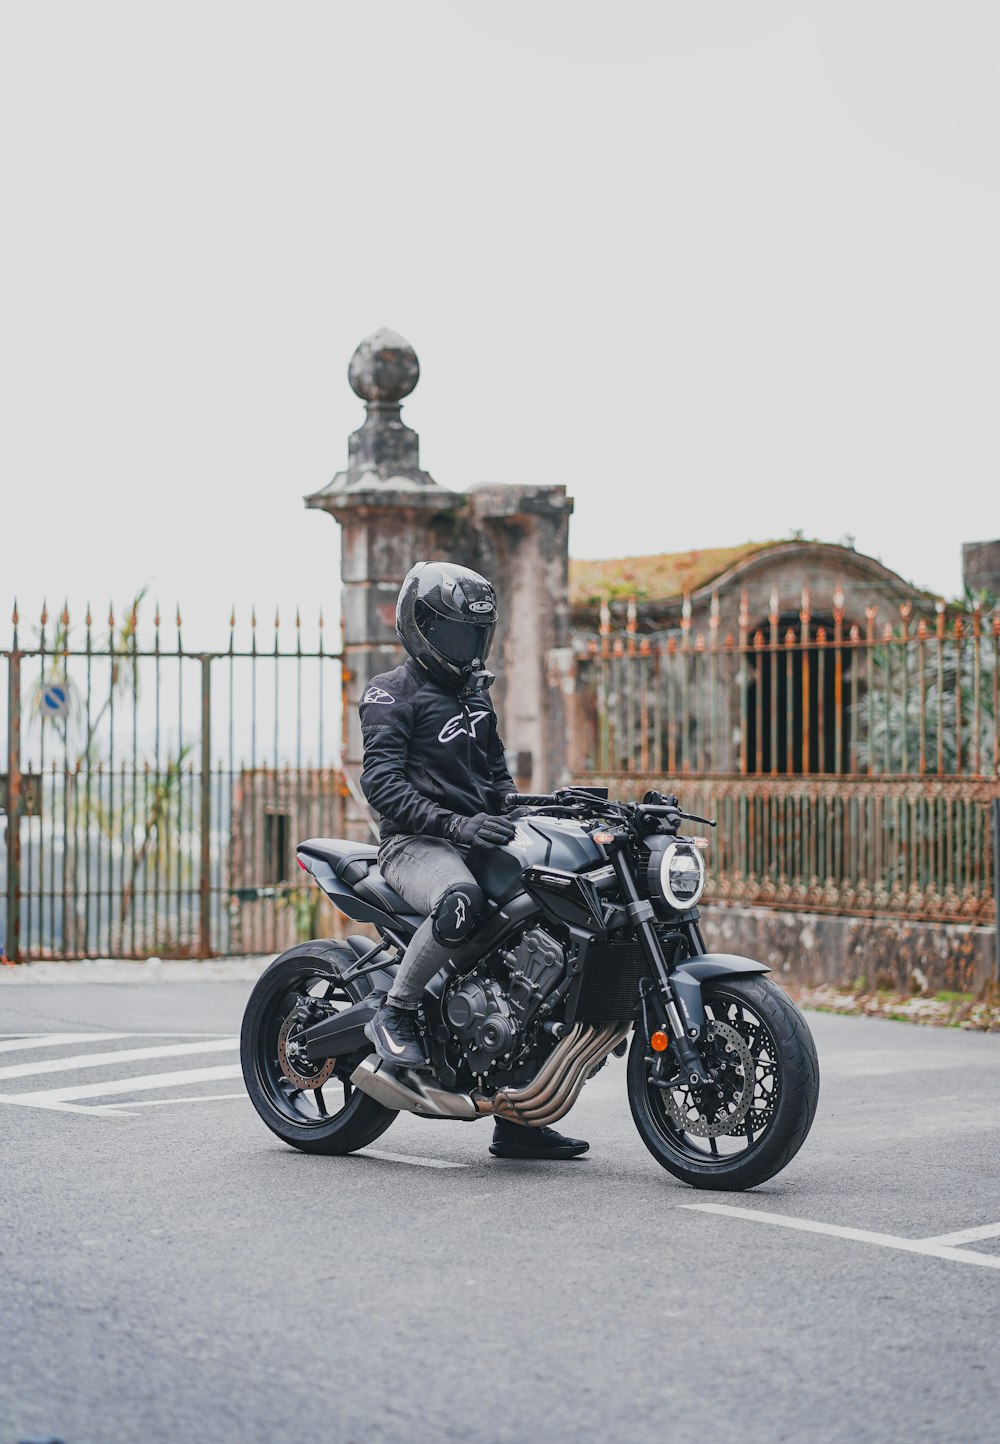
[916,698]
[154,794]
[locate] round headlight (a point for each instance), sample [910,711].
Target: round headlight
[682,875]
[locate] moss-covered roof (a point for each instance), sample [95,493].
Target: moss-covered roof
[655,578]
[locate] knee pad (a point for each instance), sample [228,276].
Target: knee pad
[458,912]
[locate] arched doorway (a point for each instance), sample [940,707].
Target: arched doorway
[798,710]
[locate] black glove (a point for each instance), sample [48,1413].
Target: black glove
[483,830]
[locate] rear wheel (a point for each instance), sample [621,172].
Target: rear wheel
[313,1106]
[746,1129]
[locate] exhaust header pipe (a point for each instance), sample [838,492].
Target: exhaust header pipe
[548,1097]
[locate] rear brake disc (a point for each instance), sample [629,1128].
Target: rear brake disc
[297,1068]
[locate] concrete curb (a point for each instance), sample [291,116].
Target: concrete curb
[151,971]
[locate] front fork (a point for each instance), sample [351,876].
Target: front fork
[684,1039]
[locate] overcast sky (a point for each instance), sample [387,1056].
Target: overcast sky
[726,271]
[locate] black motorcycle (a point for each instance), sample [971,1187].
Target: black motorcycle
[591,932]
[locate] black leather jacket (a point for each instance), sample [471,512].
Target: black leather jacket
[430,757]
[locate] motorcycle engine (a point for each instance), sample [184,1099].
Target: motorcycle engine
[482,1021]
[488,1019]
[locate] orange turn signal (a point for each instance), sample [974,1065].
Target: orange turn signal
[659,1042]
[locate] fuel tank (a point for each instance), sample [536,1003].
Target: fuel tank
[540,842]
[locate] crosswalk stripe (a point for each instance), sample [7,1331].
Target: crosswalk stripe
[167,1102]
[54,1097]
[121,1055]
[109,1110]
[55,1040]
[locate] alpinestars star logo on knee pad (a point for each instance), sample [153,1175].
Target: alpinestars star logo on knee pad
[457,912]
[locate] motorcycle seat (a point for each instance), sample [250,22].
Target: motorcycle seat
[374,889]
[350,860]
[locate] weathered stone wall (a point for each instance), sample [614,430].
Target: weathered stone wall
[981,566]
[523,536]
[811,949]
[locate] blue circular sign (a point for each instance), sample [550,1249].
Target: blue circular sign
[54,701]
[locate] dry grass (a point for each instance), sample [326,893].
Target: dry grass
[939,1010]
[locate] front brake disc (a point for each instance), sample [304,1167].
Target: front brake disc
[734,1067]
[297,1068]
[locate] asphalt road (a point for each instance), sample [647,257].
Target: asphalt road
[172,1273]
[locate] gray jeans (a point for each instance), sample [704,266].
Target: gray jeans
[421,869]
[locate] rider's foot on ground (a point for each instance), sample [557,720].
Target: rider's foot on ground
[394,1033]
[512,1140]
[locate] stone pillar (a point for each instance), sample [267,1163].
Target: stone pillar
[386,506]
[981,567]
[393,514]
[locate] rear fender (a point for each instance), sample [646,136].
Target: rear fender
[687,979]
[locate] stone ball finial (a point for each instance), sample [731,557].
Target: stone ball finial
[384,367]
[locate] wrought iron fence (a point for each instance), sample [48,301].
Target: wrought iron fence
[853,768]
[915,697]
[904,847]
[154,793]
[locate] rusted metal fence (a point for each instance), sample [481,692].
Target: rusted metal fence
[903,847]
[153,795]
[914,696]
[853,768]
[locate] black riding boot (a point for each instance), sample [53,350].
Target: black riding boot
[513,1140]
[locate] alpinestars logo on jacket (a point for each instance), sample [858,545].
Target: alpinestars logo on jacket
[456,726]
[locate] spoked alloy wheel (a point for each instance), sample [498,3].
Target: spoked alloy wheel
[756,1118]
[313,1106]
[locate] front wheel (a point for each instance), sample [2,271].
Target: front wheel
[753,1122]
[312,1106]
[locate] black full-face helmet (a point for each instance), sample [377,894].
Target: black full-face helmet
[445,618]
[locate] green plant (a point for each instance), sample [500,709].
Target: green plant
[927,697]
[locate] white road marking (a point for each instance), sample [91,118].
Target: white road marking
[161,1102]
[57,1097]
[53,1040]
[96,1111]
[929,1247]
[405,1158]
[121,1055]
[967,1235]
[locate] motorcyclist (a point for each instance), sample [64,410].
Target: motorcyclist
[434,770]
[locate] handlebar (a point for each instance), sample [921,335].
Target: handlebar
[570,800]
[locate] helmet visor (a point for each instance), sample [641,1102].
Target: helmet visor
[459,642]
